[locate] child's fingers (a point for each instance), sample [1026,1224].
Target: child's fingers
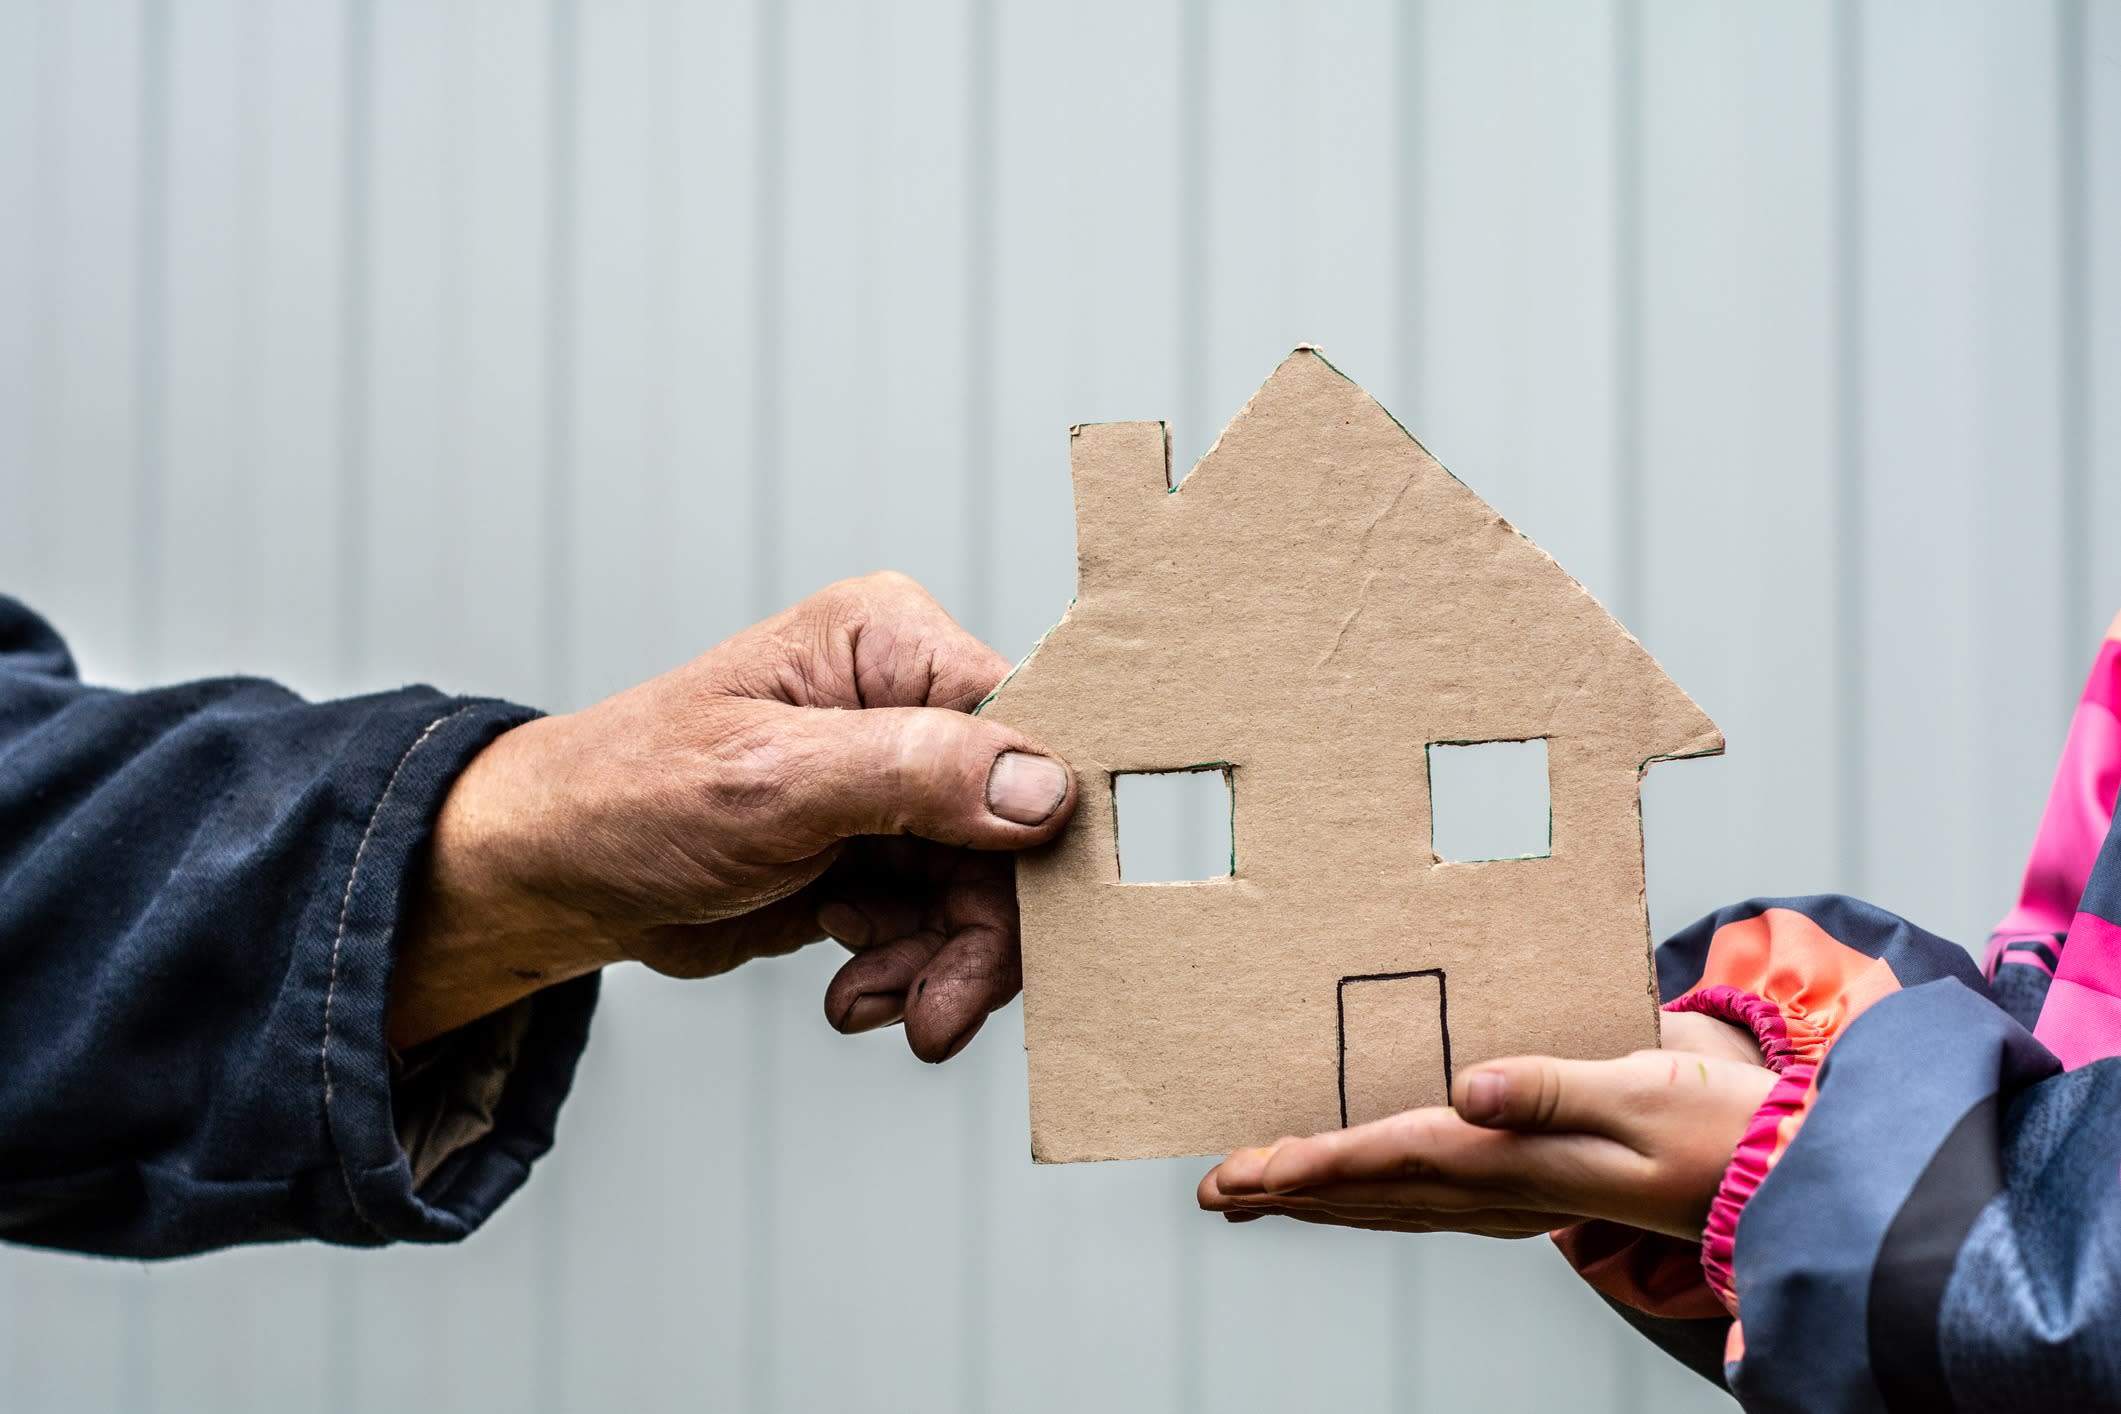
[1486,1222]
[1399,1198]
[1243,1170]
[1430,1144]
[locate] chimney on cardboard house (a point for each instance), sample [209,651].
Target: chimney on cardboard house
[1122,477]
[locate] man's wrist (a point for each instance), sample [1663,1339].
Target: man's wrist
[480,929]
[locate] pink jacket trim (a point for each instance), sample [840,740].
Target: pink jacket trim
[1755,1155]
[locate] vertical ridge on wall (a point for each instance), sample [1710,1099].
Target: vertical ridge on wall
[2080,616]
[1629,541]
[768,217]
[30,76]
[150,339]
[1847,357]
[1410,208]
[557,403]
[350,524]
[2101,299]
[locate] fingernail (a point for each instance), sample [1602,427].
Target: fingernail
[845,922]
[1026,789]
[1486,1093]
[871,1010]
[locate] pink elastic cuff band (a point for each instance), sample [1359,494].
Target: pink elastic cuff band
[1749,1165]
[1778,1052]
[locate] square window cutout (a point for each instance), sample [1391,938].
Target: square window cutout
[1489,800]
[1174,826]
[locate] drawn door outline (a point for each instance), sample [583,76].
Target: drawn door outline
[1340,1008]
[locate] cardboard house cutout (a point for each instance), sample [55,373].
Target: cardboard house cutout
[1315,607]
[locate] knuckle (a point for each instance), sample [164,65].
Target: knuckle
[883,595]
[783,669]
[831,614]
[1546,1101]
[931,753]
[919,767]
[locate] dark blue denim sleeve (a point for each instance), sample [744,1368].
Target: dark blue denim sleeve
[199,891]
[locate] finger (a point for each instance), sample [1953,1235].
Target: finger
[1419,1144]
[863,918]
[1364,1223]
[877,641]
[870,1011]
[1380,1198]
[1481,1219]
[1488,1221]
[1235,1178]
[1244,1171]
[1546,1094]
[880,889]
[1546,1172]
[908,652]
[912,770]
[1499,1225]
[977,969]
[870,989]
[708,949]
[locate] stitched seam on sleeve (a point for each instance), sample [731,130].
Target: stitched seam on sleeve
[331,986]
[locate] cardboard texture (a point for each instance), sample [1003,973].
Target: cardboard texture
[1316,604]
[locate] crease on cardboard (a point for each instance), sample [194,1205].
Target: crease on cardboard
[1316,530]
[1362,597]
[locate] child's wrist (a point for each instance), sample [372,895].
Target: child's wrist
[1756,1015]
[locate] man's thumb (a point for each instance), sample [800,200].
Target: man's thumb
[931,772]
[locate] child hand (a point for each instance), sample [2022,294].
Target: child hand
[1530,1144]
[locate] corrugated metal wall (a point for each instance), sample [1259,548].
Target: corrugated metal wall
[531,349]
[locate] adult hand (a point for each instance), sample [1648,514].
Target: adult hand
[1527,1145]
[817,774]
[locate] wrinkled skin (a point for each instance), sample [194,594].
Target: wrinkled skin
[815,775]
[1527,1145]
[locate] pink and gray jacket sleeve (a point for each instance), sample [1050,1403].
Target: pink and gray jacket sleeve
[1925,1214]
